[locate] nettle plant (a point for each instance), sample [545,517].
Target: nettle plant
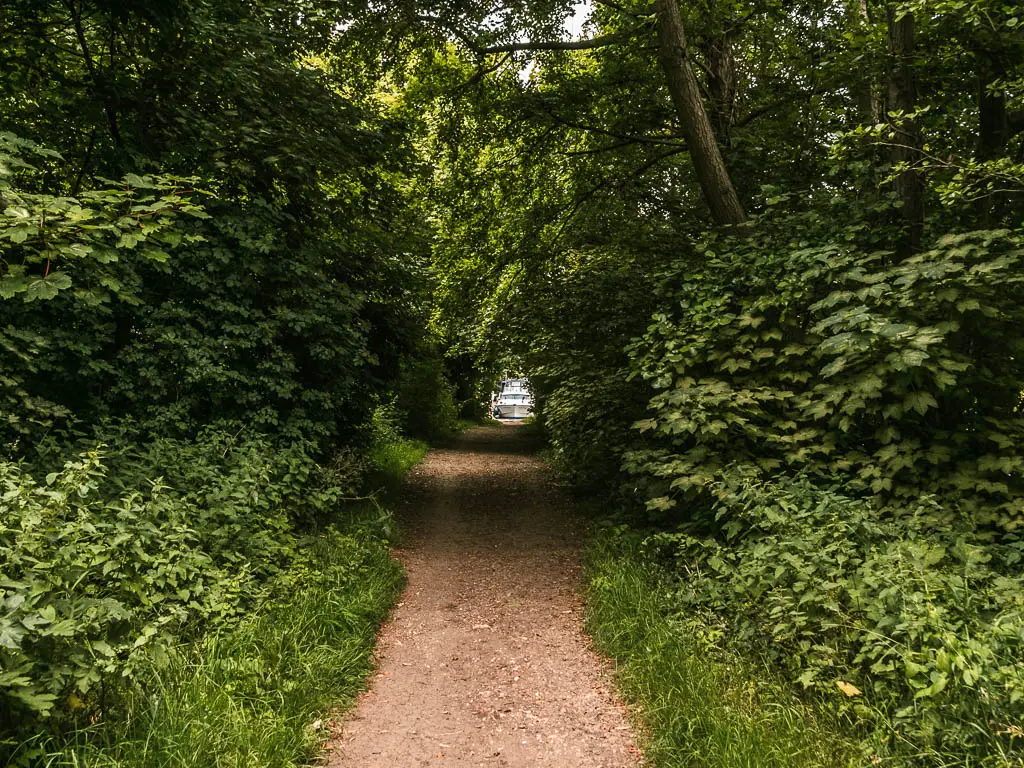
[909,621]
[109,563]
[897,376]
[93,587]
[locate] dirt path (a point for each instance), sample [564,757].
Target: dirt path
[485,662]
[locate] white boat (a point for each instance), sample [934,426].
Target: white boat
[513,400]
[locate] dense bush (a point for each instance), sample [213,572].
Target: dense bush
[704,704]
[110,562]
[285,301]
[889,383]
[578,314]
[426,398]
[895,376]
[912,623]
[67,257]
[254,695]
[207,227]
[897,381]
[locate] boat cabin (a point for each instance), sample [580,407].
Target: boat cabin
[513,400]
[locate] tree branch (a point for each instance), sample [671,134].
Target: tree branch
[666,142]
[76,18]
[482,72]
[771,106]
[625,10]
[582,199]
[741,21]
[465,38]
[85,164]
[532,45]
[598,150]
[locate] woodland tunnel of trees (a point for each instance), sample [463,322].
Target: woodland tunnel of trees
[763,261]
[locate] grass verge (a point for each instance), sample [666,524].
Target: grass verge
[251,698]
[700,706]
[261,695]
[391,462]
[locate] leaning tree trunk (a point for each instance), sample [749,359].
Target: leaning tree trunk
[906,149]
[715,182]
[721,84]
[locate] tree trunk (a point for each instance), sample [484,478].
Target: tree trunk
[715,182]
[907,145]
[993,126]
[993,122]
[99,84]
[722,86]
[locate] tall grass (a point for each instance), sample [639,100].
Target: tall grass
[251,698]
[262,694]
[391,461]
[699,705]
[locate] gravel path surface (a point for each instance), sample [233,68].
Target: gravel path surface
[484,662]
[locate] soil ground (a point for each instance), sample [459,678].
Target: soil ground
[484,661]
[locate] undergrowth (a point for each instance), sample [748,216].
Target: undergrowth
[206,617]
[700,705]
[912,628]
[254,696]
[390,462]
[709,640]
[820,439]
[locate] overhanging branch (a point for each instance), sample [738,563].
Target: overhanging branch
[572,209]
[449,27]
[628,11]
[529,45]
[772,106]
[659,140]
[483,71]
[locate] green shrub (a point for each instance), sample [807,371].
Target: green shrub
[104,569]
[92,586]
[259,693]
[702,705]
[426,398]
[891,386]
[578,314]
[891,377]
[911,624]
[386,422]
